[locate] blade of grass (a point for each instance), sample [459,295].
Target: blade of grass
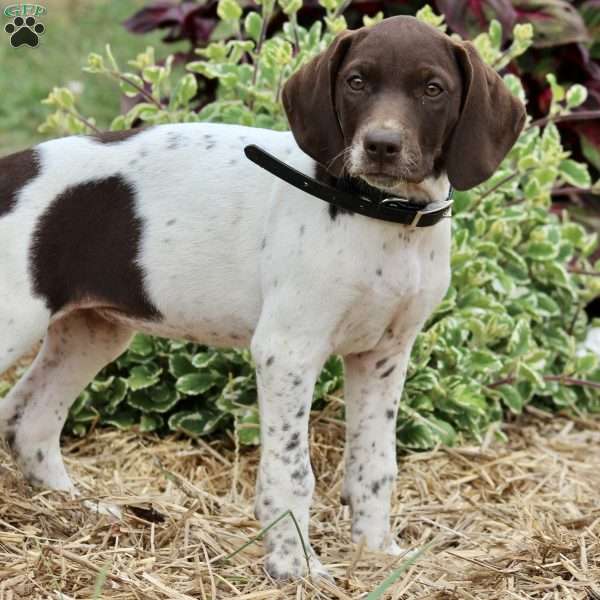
[263,531]
[377,593]
[100,581]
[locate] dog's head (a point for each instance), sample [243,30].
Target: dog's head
[398,105]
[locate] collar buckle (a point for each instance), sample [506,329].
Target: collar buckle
[403,206]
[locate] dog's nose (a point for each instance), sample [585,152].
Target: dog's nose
[382,145]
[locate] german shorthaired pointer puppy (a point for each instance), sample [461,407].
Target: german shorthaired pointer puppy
[171,231]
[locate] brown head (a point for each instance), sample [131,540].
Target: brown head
[399,105]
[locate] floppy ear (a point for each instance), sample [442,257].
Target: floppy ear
[489,123]
[309,102]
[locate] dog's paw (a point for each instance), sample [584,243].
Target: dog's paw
[24,32]
[281,566]
[378,542]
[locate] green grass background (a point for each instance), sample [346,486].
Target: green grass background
[73,29]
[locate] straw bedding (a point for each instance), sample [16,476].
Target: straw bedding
[512,521]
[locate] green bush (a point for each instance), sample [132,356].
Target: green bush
[505,334]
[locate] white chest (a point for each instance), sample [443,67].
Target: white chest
[402,283]
[359,278]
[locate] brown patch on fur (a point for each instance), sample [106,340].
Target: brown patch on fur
[16,171]
[85,247]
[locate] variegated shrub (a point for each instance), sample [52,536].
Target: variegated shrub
[506,333]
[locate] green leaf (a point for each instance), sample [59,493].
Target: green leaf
[80,403]
[79,429]
[150,423]
[115,395]
[591,152]
[160,399]
[564,397]
[587,363]
[290,7]
[575,173]
[515,264]
[441,430]
[95,63]
[528,373]
[547,307]
[483,361]
[202,360]
[532,188]
[143,376]
[229,10]
[376,18]
[541,251]
[124,419]
[551,138]
[248,428]
[87,414]
[65,98]
[495,33]
[194,424]
[102,385]
[528,162]
[253,24]
[129,82]
[558,91]
[574,233]
[576,95]
[511,397]
[523,32]
[415,435]
[513,83]
[520,339]
[186,89]
[197,383]
[429,16]
[180,364]
[142,345]
[153,74]
[469,398]
[424,381]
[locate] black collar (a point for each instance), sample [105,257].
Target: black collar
[347,195]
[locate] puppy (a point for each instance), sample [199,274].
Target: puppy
[171,231]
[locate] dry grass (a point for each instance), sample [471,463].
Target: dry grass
[510,521]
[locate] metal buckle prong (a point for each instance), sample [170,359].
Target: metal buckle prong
[417,218]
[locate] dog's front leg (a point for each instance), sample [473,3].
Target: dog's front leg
[287,367]
[373,384]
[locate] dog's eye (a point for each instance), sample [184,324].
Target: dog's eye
[356,82]
[433,89]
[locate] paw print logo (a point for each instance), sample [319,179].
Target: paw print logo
[24,32]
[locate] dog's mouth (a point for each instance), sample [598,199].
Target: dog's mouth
[381,180]
[417,193]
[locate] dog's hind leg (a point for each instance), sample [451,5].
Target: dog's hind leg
[32,416]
